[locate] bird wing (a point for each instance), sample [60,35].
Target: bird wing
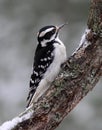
[42,60]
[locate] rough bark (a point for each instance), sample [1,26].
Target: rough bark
[78,76]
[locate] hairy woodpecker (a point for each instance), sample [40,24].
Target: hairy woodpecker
[49,55]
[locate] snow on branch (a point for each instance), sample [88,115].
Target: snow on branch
[83,42]
[8,125]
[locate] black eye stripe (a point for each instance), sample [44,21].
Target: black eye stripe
[49,34]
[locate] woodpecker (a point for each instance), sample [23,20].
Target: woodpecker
[49,55]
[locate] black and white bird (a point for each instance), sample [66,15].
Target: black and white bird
[49,55]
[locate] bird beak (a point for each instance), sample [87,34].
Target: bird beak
[61,26]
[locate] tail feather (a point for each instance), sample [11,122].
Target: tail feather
[29,98]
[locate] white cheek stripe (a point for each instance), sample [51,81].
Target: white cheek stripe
[44,32]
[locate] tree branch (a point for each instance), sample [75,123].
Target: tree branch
[78,76]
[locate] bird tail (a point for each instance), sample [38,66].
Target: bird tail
[29,98]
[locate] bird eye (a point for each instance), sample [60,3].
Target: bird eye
[48,35]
